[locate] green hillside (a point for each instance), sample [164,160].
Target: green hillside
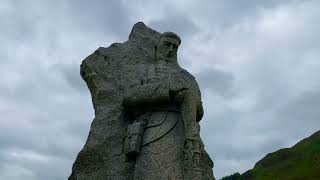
[300,162]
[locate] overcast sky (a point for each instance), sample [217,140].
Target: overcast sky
[257,63]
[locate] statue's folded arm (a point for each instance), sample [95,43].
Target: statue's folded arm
[147,94]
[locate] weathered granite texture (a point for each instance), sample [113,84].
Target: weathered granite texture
[147,113]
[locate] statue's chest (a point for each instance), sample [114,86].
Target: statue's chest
[159,73]
[154,74]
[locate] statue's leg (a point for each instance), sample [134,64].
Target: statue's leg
[192,145]
[162,159]
[189,114]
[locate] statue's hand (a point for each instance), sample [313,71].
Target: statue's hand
[177,94]
[176,86]
[178,97]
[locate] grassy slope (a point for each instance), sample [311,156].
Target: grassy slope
[301,162]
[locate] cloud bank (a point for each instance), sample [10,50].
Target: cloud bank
[256,63]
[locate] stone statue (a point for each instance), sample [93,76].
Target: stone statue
[147,113]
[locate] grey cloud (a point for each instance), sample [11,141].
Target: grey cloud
[235,10]
[50,128]
[101,16]
[55,131]
[265,98]
[300,115]
[216,81]
[175,22]
[71,73]
[44,111]
[45,114]
[233,145]
[219,14]
[275,84]
[31,165]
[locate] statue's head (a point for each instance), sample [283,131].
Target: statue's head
[167,47]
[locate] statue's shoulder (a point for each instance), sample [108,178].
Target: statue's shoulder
[190,78]
[186,73]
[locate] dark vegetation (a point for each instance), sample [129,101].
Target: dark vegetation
[300,162]
[235,176]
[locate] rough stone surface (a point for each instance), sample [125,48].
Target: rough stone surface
[147,113]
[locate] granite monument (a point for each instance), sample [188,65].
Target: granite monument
[147,113]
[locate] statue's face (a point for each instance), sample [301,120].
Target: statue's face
[167,49]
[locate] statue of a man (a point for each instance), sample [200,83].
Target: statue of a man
[147,112]
[165,105]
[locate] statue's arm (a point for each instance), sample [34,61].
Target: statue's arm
[147,94]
